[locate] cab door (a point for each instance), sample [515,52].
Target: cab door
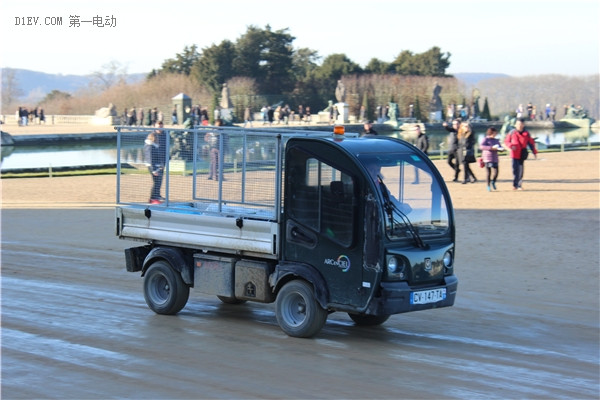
[321,218]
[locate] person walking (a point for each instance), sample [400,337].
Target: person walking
[368,129]
[174,116]
[423,145]
[490,146]
[152,161]
[453,159]
[270,115]
[466,146]
[247,117]
[212,138]
[139,120]
[517,141]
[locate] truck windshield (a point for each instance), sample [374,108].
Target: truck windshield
[414,202]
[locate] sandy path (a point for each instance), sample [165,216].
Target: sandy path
[569,180]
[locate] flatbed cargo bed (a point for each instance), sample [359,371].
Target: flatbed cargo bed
[202,230]
[237,211]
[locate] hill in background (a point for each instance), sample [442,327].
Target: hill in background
[35,85]
[473,78]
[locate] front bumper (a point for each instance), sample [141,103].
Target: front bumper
[394,297]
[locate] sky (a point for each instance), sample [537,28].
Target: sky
[518,38]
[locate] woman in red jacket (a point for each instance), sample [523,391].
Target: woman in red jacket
[517,141]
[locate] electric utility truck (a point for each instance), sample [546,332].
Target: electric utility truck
[312,221]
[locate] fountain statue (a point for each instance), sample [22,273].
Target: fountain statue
[435,105]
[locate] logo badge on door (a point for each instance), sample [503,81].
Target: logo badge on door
[428,264]
[342,262]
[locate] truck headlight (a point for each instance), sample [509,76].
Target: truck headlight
[392,265]
[448,260]
[395,267]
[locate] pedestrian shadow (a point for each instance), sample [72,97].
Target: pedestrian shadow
[552,185]
[564,181]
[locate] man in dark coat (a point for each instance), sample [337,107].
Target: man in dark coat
[453,160]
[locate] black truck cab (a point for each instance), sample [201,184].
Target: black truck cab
[373,218]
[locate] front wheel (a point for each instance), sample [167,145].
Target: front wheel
[298,312]
[368,320]
[164,289]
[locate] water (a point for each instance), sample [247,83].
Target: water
[43,157]
[543,137]
[105,153]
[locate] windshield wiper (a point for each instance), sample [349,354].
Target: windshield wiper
[390,208]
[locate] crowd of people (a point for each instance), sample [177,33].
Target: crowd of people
[530,112]
[198,115]
[461,152]
[137,117]
[281,114]
[25,117]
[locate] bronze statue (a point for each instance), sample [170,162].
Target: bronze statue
[576,112]
[436,100]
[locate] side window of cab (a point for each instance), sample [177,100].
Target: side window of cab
[322,198]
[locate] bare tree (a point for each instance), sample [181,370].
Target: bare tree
[111,74]
[505,94]
[11,91]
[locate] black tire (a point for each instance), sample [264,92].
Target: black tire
[164,289]
[298,312]
[368,320]
[230,300]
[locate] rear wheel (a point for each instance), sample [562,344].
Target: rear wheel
[298,312]
[368,320]
[164,289]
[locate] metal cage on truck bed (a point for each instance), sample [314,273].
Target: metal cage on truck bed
[218,187]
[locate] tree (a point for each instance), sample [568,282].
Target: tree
[304,67]
[376,66]
[365,105]
[333,68]
[249,53]
[266,56]
[336,65]
[215,65]
[304,63]
[109,75]
[183,62]
[485,113]
[417,110]
[11,92]
[261,54]
[58,102]
[404,64]
[506,93]
[56,95]
[277,62]
[430,63]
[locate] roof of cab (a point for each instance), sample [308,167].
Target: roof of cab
[373,144]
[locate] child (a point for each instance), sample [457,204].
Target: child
[490,146]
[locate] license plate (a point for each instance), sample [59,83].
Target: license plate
[428,296]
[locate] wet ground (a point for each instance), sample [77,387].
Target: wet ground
[525,324]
